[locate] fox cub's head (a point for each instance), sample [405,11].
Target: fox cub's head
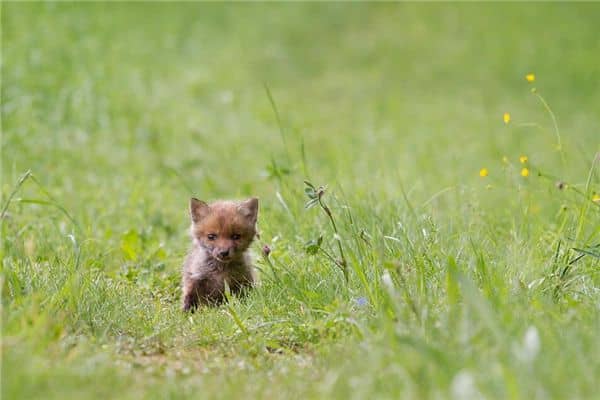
[224,229]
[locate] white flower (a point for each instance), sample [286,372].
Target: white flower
[463,386]
[531,344]
[387,281]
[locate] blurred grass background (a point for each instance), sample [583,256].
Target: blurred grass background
[123,111]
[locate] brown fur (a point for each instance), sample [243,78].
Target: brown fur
[221,234]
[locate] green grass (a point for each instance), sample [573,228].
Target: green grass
[472,285]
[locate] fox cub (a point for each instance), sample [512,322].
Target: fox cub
[221,234]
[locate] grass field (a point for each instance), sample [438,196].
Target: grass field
[459,285]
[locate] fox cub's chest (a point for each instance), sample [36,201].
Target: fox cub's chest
[233,278]
[211,288]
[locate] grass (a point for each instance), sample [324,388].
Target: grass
[459,286]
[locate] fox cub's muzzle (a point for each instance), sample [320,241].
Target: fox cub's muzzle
[223,253]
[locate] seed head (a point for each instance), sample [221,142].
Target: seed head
[266,250]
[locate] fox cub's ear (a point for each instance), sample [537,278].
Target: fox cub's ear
[198,210]
[249,209]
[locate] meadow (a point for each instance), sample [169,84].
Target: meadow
[456,148]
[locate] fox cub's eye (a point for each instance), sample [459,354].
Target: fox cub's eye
[235,236]
[212,236]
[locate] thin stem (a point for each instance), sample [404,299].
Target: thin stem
[278,118]
[22,180]
[270,263]
[556,130]
[343,263]
[329,256]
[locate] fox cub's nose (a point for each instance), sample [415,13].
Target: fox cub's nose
[224,253]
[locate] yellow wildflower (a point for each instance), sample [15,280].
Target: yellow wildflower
[505,160]
[523,159]
[530,77]
[483,172]
[596,198]
[506,118]
[525,172]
